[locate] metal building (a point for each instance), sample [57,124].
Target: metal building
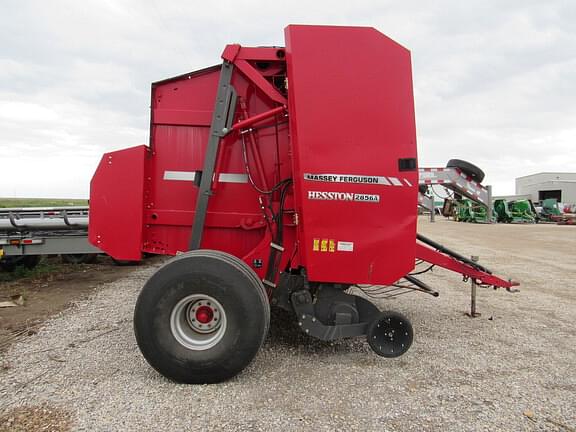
[540,186]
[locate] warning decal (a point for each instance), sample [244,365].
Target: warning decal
[346,246]
[316,245]
[331,245]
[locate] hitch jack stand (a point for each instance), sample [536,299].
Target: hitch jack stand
[473,313]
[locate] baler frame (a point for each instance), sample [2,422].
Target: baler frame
[222,125]
[203,316]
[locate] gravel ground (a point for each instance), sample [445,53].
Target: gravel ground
[512,369]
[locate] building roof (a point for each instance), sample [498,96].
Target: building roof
[547,172]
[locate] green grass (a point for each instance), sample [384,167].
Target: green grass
[44,267]
[41,202]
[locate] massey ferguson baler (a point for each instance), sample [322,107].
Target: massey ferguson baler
[286,176]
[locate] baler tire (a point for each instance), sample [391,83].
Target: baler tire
[467,168]
[78,258]
[225,282]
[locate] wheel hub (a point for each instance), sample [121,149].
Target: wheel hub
[203,316]
[198,322]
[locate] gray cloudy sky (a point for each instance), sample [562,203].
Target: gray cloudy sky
[495,81]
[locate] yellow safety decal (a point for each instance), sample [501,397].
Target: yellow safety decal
[325,245]
[316,245]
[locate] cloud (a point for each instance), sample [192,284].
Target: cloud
[494,80]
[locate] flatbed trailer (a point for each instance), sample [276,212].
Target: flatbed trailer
[460,177]
[30,232]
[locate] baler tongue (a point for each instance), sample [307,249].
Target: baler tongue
[436,254]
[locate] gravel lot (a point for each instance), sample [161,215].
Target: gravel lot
[511,369]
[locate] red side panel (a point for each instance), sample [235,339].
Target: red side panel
[116,203]
[181,114]
[351,120]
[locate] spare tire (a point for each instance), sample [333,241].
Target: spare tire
[467,168]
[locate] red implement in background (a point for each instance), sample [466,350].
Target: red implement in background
[290,172]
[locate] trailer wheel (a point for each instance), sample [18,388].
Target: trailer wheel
[10,263]
[202,317]
[78,258]
[390,334]
[467,168]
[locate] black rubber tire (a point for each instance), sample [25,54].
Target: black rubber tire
[229,281]
[379,342]
[78,258]
[467,168]
[10,263]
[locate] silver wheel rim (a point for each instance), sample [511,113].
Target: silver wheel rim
[198,322]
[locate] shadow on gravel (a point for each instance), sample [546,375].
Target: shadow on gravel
[284,332]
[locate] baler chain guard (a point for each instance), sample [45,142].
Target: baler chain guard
[350,314]
[333,314]
[324,311]
[302,302]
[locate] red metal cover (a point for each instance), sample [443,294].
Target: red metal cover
[116,203]
[351,121]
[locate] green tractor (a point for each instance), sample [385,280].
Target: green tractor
[518,211]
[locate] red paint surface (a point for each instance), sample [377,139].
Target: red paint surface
[350,111]
[116,203]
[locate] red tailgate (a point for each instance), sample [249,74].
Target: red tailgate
[352,126]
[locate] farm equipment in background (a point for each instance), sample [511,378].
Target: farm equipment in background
[284,176]
[567,219]
[552,211]
[517,211]
[468,211]
[26,234]
[462,179]
[549,210]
